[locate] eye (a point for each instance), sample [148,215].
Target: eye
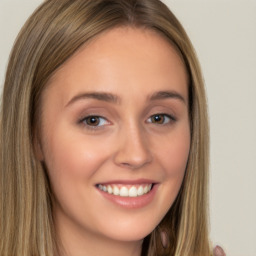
[161,119]
[95,121]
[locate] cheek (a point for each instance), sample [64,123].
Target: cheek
[173,157]
[71,161]
[176,157]
[173,152]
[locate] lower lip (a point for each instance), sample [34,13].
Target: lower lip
[131,202]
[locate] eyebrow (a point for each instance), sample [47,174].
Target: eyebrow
[102,96]
[112,98]
[166,95]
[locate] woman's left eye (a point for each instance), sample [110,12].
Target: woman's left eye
[160,119]
[94,121]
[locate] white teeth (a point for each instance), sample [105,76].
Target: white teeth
[126,191]
[110,190]
[116,191]
[133,192]
[140,191]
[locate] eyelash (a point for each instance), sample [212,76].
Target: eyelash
[97,119]
[165,118]
[170,119]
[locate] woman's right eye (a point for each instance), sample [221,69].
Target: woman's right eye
[94,121]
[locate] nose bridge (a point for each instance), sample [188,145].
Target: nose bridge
[133,147]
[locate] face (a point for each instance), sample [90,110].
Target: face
[115,135]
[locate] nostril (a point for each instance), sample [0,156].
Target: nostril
[129,165]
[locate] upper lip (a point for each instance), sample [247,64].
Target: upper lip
[129,182]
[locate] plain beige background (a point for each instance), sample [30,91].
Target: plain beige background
[224,35]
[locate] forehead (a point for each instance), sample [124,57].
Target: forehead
[121,59]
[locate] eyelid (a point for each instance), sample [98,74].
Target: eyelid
[170,117]
[88,126]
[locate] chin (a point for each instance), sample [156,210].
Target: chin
[133,230]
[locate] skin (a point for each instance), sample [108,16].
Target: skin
[132,64]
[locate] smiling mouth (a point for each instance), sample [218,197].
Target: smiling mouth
[126,190]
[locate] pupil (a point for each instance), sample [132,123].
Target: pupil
[93,120]
[158,119]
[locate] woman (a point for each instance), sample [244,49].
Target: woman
[104,134]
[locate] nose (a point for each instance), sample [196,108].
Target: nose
[133,149]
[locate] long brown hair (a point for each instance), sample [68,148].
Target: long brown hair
[54,32]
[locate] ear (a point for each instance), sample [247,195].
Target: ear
[38,148]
